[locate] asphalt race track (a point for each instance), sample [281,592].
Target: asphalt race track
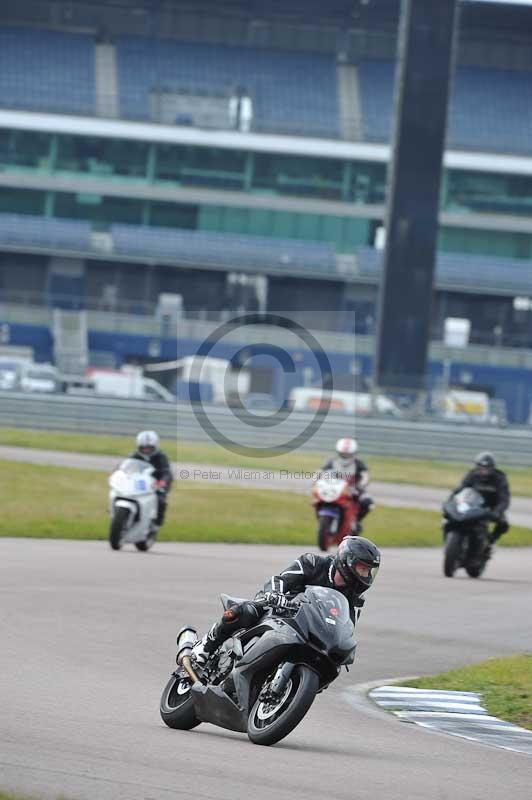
[87,643]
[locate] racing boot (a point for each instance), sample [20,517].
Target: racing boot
[203,650]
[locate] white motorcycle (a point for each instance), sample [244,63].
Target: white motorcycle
[133,505]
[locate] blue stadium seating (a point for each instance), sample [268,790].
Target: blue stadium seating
[47,71]
[223,249]
[198,248]
[34,231]
[490,109]
[292,92]
[456,269]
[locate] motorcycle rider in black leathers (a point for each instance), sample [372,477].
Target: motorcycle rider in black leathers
[492,484]
[354,470]
[351,571]
[148,449]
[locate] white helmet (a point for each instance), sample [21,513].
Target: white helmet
[346,449]
[147,444]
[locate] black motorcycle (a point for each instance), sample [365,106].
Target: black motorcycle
[264,679]
[466,533]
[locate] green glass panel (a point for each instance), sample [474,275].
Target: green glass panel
[484,242]
[307,226]
[284,225]
[209,218]
[260,222]
[103,157]
[345,233]
[21,201]
[25,149]
[107,211]
[355,233]
[332,230]
[236,220]
[485,192]
[201,166]
[299,176]
[173,215]
[368,183]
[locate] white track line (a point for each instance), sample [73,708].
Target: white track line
[456,713]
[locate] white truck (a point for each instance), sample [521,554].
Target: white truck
[216,373]
[128,382]
[23,375]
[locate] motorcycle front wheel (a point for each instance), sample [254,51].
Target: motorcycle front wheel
[324,528]
[270,721]
[118,524]
[148,542]
[453,548]
[475,570]
[176,707]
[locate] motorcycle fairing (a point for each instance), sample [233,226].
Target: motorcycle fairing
[212,704]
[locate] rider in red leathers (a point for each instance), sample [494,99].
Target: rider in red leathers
[355,471]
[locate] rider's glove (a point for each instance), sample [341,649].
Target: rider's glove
[276,599]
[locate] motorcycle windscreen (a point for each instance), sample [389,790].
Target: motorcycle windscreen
[133,465]
[466,505]
[330,621]
[470,497]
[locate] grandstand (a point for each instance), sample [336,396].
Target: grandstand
[122,155]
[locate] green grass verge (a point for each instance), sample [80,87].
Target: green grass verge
[504,683]
[72,504]
[394,470]
[4,796]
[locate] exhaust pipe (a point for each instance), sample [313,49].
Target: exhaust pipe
[189,669]
[186,639]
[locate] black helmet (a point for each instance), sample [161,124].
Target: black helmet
[357,560]
[485,460]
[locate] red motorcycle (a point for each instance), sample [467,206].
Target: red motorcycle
[336,507]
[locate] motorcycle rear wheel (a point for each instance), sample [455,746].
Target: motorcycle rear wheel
[267,726]
[116,531]
[176,707]
[323,533]
[453,546]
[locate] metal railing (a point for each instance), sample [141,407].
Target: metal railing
[377,436]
